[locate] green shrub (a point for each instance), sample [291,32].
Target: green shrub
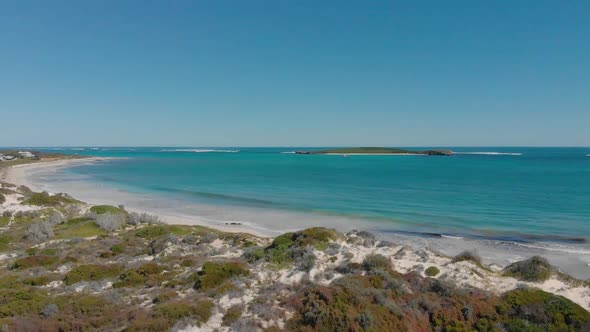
[34,261]
[4,241]
[21,301]
[553,312]
[75,221]
[288,247]
[173,311]
[49,252]
[80,229]
[103,209]
[164,297]
[533,269]
[2,198]
[232,314]
[138,276]
[36,281]
[432,271]
[467,256]
[154,231]
[214,274]
[91,272]
[472,257]
[44,199]
[118,248]
[376,262]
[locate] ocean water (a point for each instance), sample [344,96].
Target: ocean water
[535,198]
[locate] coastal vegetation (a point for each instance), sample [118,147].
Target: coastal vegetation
[376,150]
[69,266]
[533,269]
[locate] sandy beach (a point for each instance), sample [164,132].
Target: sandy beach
[22,174]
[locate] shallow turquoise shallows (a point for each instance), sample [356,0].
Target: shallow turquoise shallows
[507,193]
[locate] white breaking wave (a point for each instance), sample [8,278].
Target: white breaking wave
[200,150]
[288,152]
[451,237]
[492,153]
[555,248]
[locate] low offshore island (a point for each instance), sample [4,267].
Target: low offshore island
[376,151]
[66,265]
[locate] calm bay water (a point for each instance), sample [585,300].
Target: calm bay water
[512,193]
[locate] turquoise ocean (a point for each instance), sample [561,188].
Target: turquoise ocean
[527,198]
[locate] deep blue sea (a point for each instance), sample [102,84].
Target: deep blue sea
[518,194]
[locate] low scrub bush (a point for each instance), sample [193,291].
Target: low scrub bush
[174,311]
[471,257]
[544,311]
[164,297]
[44,199]
[232,315]
[214,274]
[154,231]
[287,248]
[534,269]
[138,276]
[39,231]
[34,261]
[142,218]
[432,271]
[91,272]
[467,256]
[104,209]
[5,241]
[110,222]
[376,262]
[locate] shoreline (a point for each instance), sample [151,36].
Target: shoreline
[17,175]
[572,258]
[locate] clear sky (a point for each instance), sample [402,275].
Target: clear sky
[294,73]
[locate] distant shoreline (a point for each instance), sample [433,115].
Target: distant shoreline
[18,174]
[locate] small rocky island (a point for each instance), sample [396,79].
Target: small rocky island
[378,151]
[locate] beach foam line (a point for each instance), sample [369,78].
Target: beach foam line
[451,237]
[490,153]
[199,150]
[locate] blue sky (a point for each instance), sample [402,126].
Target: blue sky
[295,73]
